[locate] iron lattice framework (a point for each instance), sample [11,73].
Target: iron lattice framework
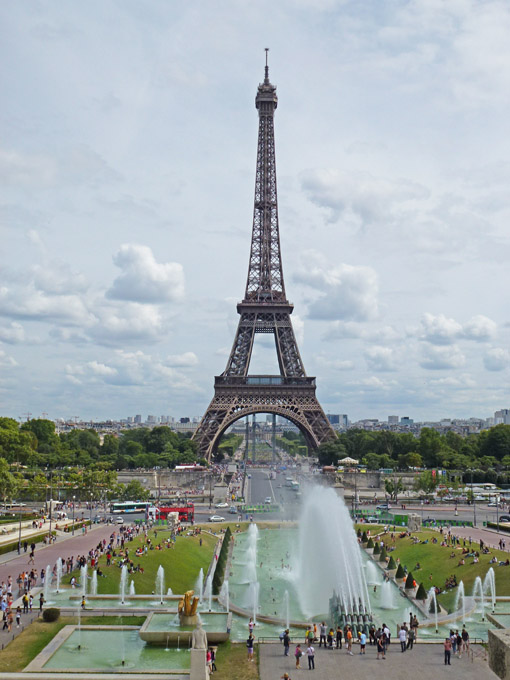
[264,309]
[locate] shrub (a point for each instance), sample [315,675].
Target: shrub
[364,538]
[392,564]
[377,549]
[51,614]
[370,543]
[400,571]
[409,581]
[383,556]
[421,593]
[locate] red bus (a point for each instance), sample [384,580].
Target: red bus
[186,512]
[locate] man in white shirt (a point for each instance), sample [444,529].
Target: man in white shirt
[402,636]
[310,652]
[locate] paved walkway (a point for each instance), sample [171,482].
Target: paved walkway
[425,660]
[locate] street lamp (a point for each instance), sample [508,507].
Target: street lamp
[473,498]
[19,535]
[51,515]
[74,502]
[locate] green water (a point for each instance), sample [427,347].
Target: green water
[105,650]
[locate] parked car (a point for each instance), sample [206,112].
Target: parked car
[383,506]
[372,519]
[216,518]
[221,505]
[119,520]
[233,510]
[504,518]
[268,500]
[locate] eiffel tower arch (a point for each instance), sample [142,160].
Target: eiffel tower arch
[264,309]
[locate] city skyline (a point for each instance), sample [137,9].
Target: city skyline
[128,161]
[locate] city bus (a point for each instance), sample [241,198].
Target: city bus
[117,507]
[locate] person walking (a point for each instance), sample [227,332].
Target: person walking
[41,602]
[447,651]
[348,641]
[380,647]
[339,637]
[298,654]
[322,633]
[286,642]
[310,652]
[410,639]
[18,616]
[362,642]
[249,645]
[465,639]
[402,636]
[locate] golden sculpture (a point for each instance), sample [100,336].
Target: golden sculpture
[188,604]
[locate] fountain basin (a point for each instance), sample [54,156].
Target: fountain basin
[163,629]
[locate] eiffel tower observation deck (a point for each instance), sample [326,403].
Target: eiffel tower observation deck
[264,309]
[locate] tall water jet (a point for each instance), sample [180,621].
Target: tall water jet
[254,599]
[208,592]
[93,584]
[328,561]
[286,610]
[373,574]
[489,587]
[59,573]
[431,605]
[224,596]
[83,580]
[132,590]
[123,582]
[169,592]
[199,585]
[48,576]
[251,553]
[160,583]
[460,597]
[478,595]
[387,595]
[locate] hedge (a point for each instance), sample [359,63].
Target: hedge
[364,538]
[221,563]
[7,547]
[400,571]
[370,543]
[383,556]
[51,614]
[377,548]
[392,564]
[409,581]
[421,593]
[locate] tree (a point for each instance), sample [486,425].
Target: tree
[421,593]
[9,485]
[134,491]
[392,564]
[425,482]
[400,571]
[409,581]
[410,460]
[329,452]
[393,487]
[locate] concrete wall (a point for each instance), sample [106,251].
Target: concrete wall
[499,652]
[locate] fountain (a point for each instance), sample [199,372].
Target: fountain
[208,591]
[254,593]
[48,576]
[286,612]
[489,586]
[387,595]
[188,609]
[478,593]
[93,585]
[458,597]
[59,573]
[431,604]
[123,581]
[132,590]
[169,592]
[83,580]
[224,596]
[160,583]
[373,574]
[333,554]
[199,584]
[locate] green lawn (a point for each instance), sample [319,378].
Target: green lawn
[232,662]
[435,561]
[181,563]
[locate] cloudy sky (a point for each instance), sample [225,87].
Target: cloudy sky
[127,157]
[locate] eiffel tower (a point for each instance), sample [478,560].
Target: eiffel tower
[265,309]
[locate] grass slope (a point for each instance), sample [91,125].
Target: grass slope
[435,561]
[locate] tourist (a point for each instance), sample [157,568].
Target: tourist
[447,651]
[380,646]
[251,625]
[387,635]
[402,636]
[18,616]
[298,654]
[339,637]
[286,642]
[310,652]
[362,643]
[249,645]
[465,639]
[331,635]
[322,631]
[41,602]
[459,643]
[213,658]
[209,660]
[348,641]
[285,676]
[410,638]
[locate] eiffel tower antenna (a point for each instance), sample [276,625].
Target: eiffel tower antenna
[264,309]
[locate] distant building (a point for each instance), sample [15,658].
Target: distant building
[138,419]
[392,420]
[406,421]
[151,420]
[184,420]
[334,418]
[502,417]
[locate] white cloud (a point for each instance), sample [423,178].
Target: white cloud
[343,330]
[380,359]
[438,358]
[101,369]
[7,361]
[12,334]
[56,278]
[479,328]
[345,291]
[185,360]
[335,364]
[497,359]
[441,330]
[128,322]
[18,168]
[143,279]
